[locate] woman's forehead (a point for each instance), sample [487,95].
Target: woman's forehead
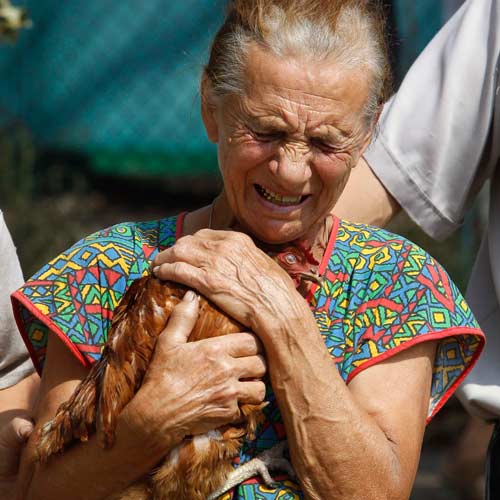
[323,91]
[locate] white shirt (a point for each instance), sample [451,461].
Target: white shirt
[439,141]
[15,363]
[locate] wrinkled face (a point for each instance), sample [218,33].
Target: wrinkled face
[287,145]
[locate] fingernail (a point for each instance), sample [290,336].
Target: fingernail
[25,431]
[156,269]
[190,296]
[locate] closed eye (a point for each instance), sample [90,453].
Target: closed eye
[267,136]
[324,146]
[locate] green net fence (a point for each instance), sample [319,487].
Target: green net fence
[118,81]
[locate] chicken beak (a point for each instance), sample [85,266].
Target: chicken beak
[312,278]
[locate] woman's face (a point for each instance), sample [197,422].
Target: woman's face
[287,145]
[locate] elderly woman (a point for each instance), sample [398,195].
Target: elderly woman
[291,95]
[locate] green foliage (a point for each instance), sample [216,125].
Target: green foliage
[17,159]
[46,211]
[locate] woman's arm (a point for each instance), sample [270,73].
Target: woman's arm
[356,441]
[185,391]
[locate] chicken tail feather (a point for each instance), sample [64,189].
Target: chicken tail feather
[139,319]
[118,388]
[254,417]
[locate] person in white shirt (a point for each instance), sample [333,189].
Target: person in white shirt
[438,144]
[18,380]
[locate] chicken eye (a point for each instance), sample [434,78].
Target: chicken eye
[290,259]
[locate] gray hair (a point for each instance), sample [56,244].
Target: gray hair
[348,32]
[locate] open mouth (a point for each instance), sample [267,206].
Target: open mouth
[278,199]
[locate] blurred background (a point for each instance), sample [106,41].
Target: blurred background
[99,123]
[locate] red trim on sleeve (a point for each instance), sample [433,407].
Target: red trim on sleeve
[330,247]
[18,299]
[179,225]
[450,332]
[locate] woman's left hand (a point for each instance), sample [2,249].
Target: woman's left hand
[227,268]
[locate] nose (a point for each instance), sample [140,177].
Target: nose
[292,164]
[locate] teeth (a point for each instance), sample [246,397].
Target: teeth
[279,199]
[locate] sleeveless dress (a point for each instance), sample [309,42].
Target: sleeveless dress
[380,294]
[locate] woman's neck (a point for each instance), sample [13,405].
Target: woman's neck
[219,216]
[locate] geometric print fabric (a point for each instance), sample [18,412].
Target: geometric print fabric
[380,294]
[388,294]
[78,291]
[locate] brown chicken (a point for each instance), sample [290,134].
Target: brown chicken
[190,471]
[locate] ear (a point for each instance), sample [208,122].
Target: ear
[208,109]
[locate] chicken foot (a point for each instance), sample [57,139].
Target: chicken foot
[272,459]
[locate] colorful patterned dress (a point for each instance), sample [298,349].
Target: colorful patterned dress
[381,294]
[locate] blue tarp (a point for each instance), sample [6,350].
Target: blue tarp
[113,75]
[416,21]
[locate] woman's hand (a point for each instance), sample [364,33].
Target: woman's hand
[16,425]
[230,270]
[199,384]
[15,429]
[189,388]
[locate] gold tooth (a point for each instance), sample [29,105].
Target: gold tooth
[274,197]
